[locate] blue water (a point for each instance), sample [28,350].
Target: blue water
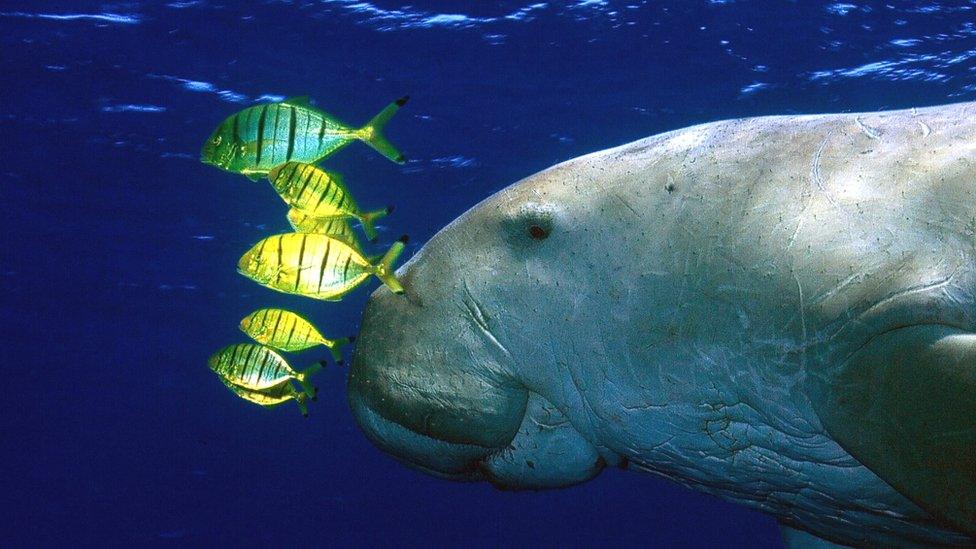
[119,247]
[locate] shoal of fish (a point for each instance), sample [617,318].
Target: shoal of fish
[322,259]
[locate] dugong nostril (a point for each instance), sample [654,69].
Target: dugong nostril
[533,219]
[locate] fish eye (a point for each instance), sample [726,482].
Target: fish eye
[216,140]
[538,232]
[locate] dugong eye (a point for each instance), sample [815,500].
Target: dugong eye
[538,232]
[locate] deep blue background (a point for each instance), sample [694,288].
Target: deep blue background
[119,247]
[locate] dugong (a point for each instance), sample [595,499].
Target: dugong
[779,311]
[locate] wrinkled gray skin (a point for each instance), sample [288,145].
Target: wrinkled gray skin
[777,311]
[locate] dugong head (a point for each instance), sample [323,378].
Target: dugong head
[763,309]
[437,379]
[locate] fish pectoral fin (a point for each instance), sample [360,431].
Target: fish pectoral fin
[251,147]
[289,270]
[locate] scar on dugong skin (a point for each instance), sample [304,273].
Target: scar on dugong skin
[779,311]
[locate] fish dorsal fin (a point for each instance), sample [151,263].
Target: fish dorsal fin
[298,101]
[302,101]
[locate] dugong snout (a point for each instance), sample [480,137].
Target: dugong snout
[423,389]
[433,382]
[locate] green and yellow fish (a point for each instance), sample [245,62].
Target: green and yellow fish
[337,227]
[272,396]
[320,194]
[287,331]
[316,265]
[257,367]
[254,140]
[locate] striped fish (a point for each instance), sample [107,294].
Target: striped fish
[337,227]
[272,396]
[320,194]
[254,140]
[287,331]
[316,265]
[257,367]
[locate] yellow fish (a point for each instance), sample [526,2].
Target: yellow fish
[272,396]
[287,331]
[320,194]
[254,140]
[316,265]
[257,367]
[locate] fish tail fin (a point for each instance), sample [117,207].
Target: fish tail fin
[384,269]
[302,400]
[368,221]
[302,378]
[372,132]
[335,347]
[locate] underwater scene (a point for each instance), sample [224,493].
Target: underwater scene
[582,273]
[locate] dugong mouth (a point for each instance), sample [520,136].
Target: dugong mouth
[435,457]
[425,387]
